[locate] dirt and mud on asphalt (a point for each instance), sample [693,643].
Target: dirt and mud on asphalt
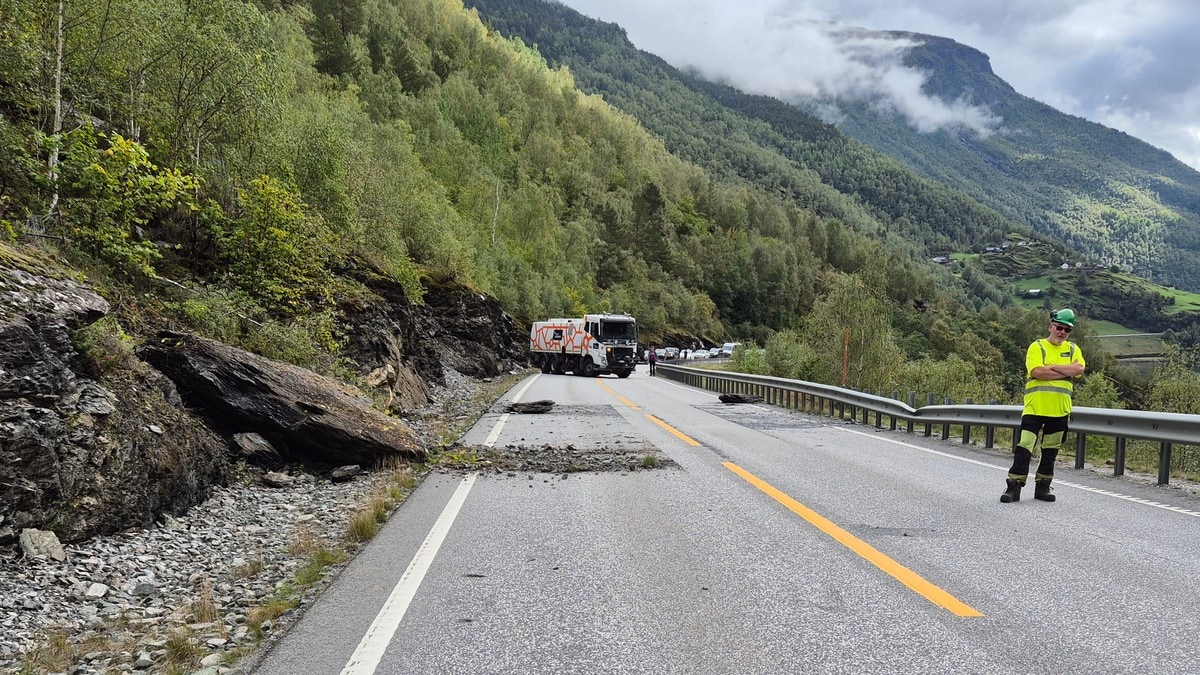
[566,459]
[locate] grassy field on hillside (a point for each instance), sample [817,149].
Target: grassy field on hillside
[1133,345]
[1184,301]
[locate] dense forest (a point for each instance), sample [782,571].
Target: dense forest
[236,168]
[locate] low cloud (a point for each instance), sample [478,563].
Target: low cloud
[766,47]
[1127,64]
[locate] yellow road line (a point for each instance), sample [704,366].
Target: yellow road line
[679,434]
[901,573]
[620,398]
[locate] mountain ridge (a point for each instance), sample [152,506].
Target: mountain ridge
[1099,192]
[1103,192]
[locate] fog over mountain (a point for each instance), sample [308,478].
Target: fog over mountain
[1133,65]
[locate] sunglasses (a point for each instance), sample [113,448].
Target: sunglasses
[1059,326]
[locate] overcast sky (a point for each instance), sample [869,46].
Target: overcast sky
[1133,65]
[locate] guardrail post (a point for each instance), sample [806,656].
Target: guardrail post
[892,420]
[946,425]
[967,427]
[1164,463]
[989,434]
[929,425]
[912,403]
[1080,450]
[1119,457]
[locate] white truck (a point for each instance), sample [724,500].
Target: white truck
[589,346]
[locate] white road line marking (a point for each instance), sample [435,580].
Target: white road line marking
[495,434]
[528,384]
[1057,481]
[370,650]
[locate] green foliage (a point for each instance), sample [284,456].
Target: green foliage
[851,336]
[1098,391]
[310,341]
[115,192]
[1175,385]
[105,347]
[749,358]
[276,251]
[217,313]
[951,377]
[788,356]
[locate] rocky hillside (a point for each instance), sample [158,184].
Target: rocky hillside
[101,433]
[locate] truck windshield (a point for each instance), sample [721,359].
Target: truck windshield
[618,330]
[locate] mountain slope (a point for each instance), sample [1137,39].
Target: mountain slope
[752,138]
[1102,192]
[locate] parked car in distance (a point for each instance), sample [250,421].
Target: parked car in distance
[671,352]
[697,354]
[714,352]
[728,347]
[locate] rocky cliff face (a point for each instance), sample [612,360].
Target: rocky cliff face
[82,455]
[88,448]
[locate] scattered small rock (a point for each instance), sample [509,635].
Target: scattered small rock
[276,479]
[344,473]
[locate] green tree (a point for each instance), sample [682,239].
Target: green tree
[788,356]
[276,251]
[1175,385]
[115,192]
[848,330]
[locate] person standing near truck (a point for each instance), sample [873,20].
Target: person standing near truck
[652,359]
[1052,365]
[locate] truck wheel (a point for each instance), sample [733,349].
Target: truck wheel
[624,374]
[556,366]
[586,367]
[544,363]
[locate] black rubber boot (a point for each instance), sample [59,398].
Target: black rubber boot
[1013,493]
[1041,490]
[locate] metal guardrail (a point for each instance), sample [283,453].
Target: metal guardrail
[1167,429]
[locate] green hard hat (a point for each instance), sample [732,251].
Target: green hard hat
[1064,316]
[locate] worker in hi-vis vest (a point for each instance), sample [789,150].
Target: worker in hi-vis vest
[1052,365]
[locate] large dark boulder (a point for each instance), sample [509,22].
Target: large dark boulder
[86,453]
[308,418]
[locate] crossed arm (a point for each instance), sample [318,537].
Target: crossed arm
[1063,372]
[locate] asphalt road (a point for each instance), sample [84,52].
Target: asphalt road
[778,543]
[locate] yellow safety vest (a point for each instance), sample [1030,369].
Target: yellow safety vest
[1050,398]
